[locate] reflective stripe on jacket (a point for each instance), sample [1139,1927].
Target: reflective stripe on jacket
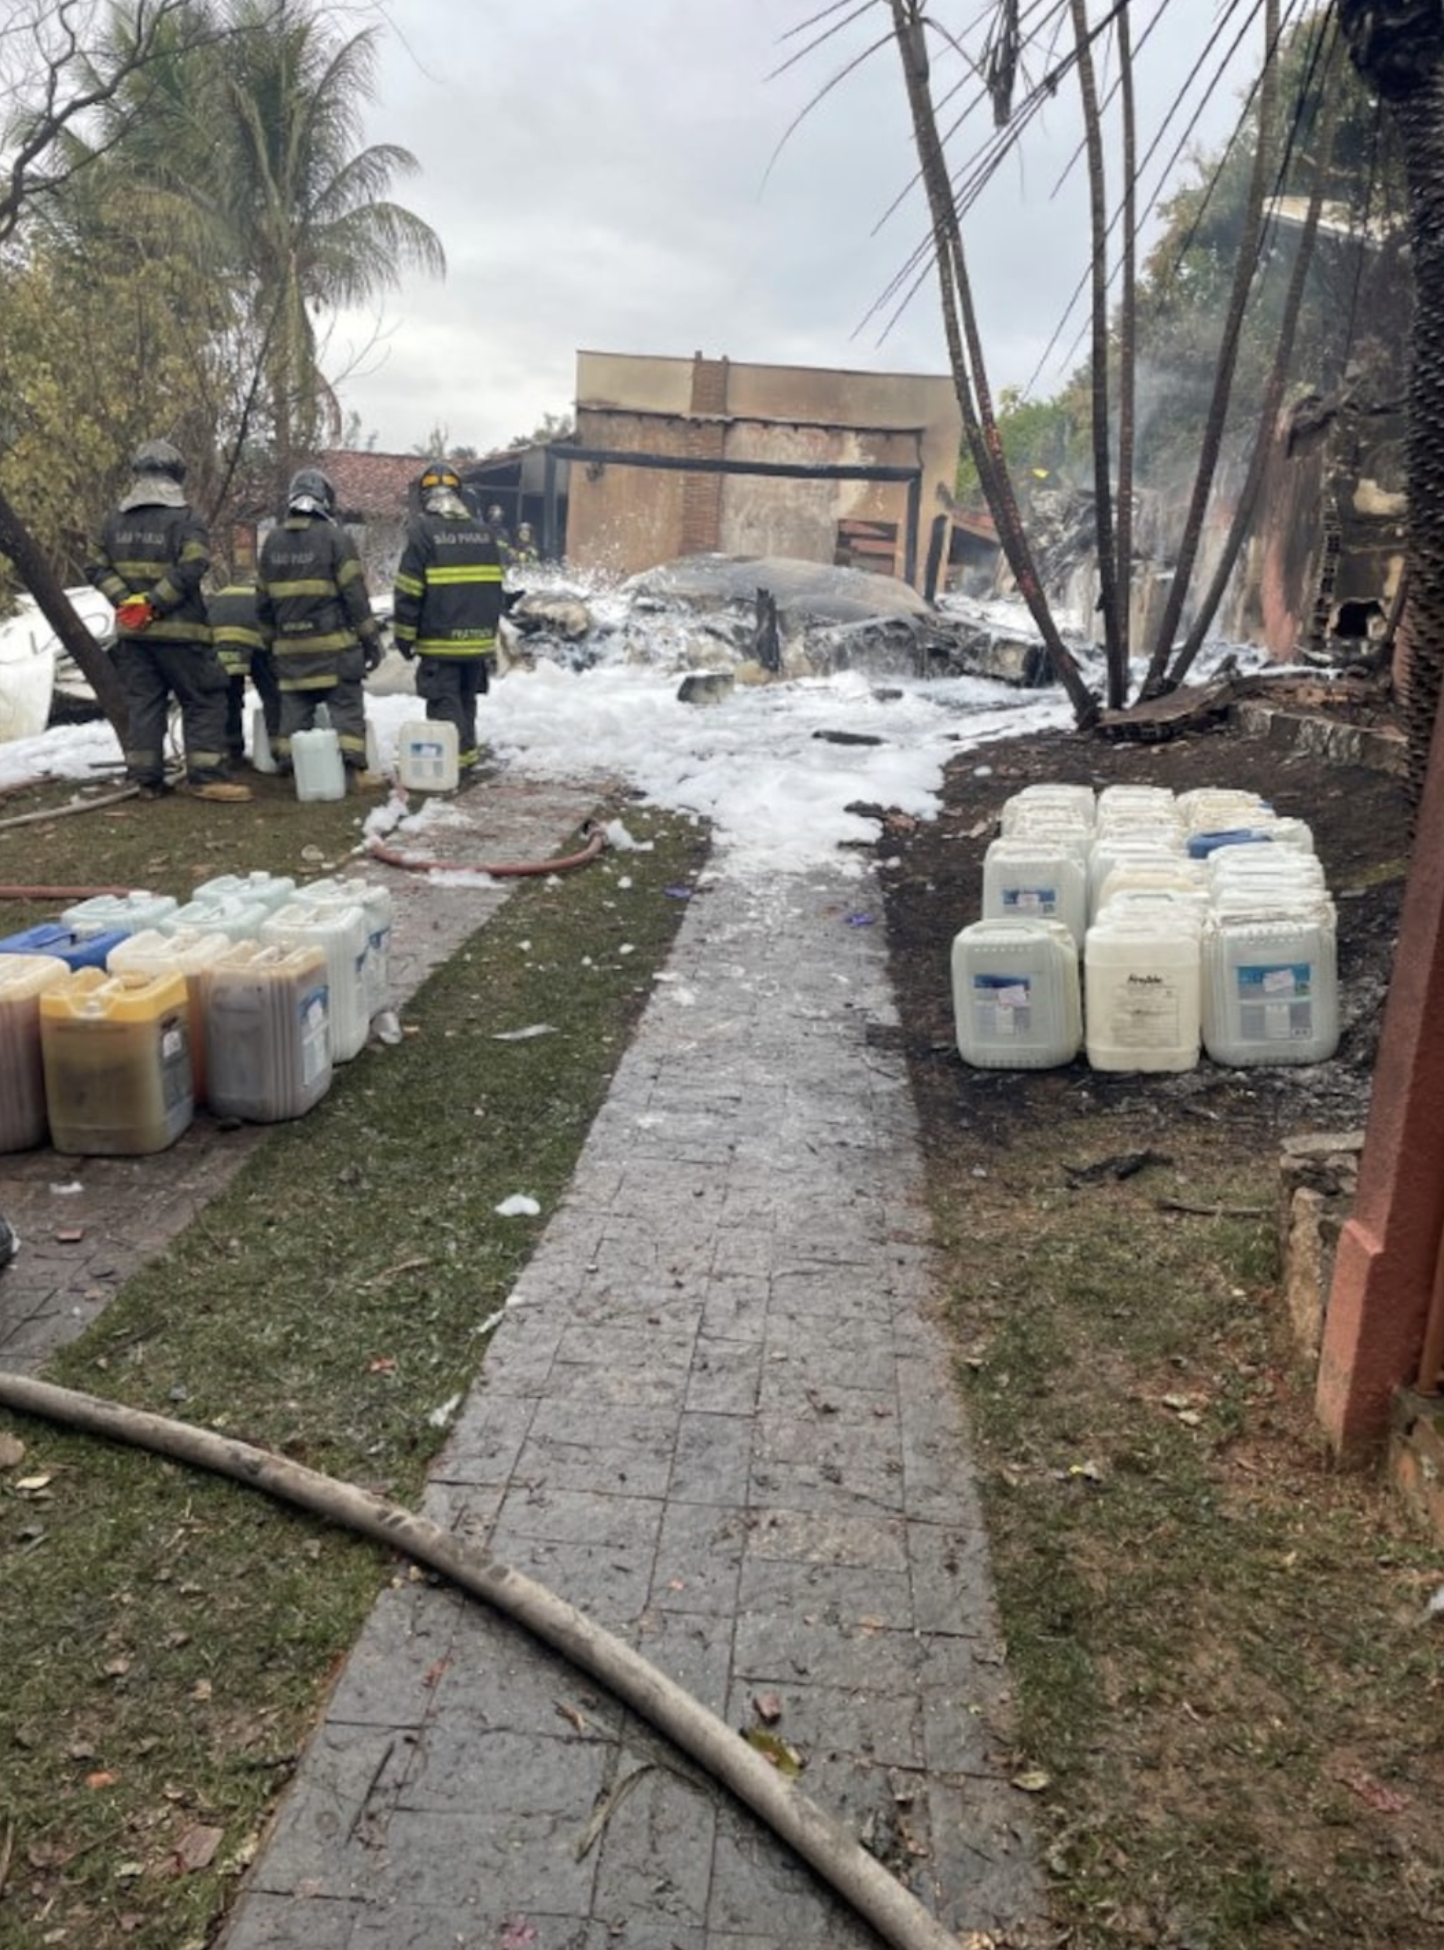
[311,601]
[447,599]
[235,630]
[161,553]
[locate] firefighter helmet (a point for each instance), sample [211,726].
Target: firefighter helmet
[311,493]
[159,457]
[439,474]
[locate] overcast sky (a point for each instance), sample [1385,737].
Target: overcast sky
[598,173]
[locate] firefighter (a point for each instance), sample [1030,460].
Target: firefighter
[524,548]
[150,562]
[501,534]
[314,613]
[448,602]
[243,653]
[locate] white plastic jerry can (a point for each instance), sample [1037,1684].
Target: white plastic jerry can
[428,756]
[316,756]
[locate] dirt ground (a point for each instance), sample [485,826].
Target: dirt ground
[1358,819]
[1217,1734]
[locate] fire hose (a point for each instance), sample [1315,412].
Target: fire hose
[394,857]
[11,891]
[894,1912]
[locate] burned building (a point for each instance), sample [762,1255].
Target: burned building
[676,457]
[1329,541]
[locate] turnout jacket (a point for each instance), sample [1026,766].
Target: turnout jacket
[235,630]
[160,551]
[447,598]
[311,601]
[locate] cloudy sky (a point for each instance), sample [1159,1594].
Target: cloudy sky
[621,177]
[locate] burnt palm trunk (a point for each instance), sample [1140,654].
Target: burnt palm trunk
[1108,599]
[1272,401]
[1127,351]
[965,353]
[1245,267]
[1398,48]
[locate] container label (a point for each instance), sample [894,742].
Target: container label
[1146,1014]
[1029,900]
[1276,1003]
[315,1015]
[1003,1005]
[176,1086]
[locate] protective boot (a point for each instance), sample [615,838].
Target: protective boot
[218,791]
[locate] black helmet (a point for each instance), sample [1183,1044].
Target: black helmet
[311,492]
[159,457]
[438,474]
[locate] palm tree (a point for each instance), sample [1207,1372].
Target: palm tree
[306,210]
[244,142]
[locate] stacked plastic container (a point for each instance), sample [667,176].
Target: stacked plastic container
[1016,1002]
[342,933]
[376,903]
[272,890]
[232,915]
[1270,958]
[1141,998]
[268,1044]
[116,1055]
[118,913]
[23,980]
[1141,982]
[63,943]
[188,952]
[1206,925]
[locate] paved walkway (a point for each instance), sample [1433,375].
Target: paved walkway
[718,1417]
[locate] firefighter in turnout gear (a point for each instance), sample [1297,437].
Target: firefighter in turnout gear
[315,614]
[447,604]
[151,559]
[243,653]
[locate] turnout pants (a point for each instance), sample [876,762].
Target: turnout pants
[263,676]
[451,686]
[345,702]
[151,675]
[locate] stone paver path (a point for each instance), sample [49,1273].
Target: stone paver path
[716,1416]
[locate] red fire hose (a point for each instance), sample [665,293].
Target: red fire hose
[393,858]
[13,893]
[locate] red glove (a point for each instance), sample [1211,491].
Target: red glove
[135,613]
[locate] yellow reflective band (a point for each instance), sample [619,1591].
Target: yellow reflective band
[489,572]
[310,586]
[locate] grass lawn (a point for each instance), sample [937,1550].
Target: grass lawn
[168,1638]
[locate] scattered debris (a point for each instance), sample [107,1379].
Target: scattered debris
[519,1205]
[1125,1164]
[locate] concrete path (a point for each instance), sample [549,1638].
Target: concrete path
[717,1416]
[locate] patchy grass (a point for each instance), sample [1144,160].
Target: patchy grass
[168,1638]
[1214,1636]
[167,846]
